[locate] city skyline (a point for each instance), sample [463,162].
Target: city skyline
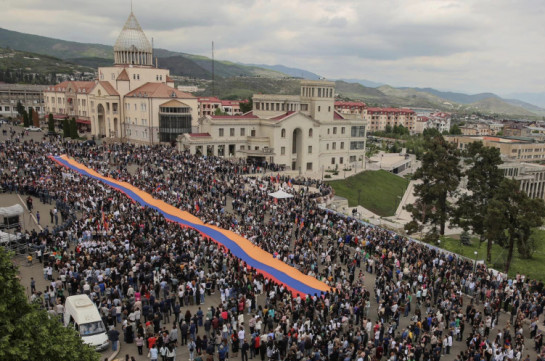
[470,46]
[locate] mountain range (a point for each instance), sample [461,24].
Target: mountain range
[234,80]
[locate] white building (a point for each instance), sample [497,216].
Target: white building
[302,132]
[30,96]
[131,100]
[531,177]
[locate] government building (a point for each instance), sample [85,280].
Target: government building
[133,100]
[302,132]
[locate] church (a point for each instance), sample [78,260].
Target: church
[133,100]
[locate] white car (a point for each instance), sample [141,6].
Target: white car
[33,129]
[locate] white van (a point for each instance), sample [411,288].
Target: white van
[82,314]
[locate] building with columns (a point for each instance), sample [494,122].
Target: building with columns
[302,132]
[132,100]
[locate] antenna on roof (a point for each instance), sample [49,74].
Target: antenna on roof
[213,79]
[131,6]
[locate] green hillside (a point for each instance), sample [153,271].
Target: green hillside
[54,47]
[30,68]
[244,87]
[495,105]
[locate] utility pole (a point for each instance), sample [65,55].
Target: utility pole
[213,75]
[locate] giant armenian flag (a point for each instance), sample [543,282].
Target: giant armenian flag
[255,257]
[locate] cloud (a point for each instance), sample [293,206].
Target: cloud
[470,45]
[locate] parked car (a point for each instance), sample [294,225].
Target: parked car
[33,129]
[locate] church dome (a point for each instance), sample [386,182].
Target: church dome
[132,45]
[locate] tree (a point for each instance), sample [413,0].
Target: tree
[35,119]
[66,128]
[388,129]
[483,179]
[26,118]
[27,332]
[73,129]
[51,123]
[440,175]
[431,133]
[511,215]
[219,112]
[20,108]
[245,107]
[371,149]
[455,130]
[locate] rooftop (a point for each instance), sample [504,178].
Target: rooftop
[158,90]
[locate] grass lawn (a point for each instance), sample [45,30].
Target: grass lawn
[381,191]
[533,267]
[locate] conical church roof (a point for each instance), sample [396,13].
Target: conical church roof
[132,37]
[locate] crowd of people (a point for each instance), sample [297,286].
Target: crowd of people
[391,298]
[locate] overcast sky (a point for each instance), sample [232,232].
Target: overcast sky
[468,45]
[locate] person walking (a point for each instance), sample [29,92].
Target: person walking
[139,340]
[244,350]
[191,346]
[113,336]
[153,353]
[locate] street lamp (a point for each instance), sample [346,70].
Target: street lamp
[475,264]
[359,194]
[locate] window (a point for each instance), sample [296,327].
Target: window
[282,150]
[241,147]
[333,160]
[231,132]
[310,149]
[334,145]
[327,146]
[319,107]
[310,133]
[252,133]
[283,133]
[328,131]
[341,160]
[309,166]
[357,145]
[329,109]
[342,145]
[343,130]
[242,132]
[334,130]
[358,131]
[220,130]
